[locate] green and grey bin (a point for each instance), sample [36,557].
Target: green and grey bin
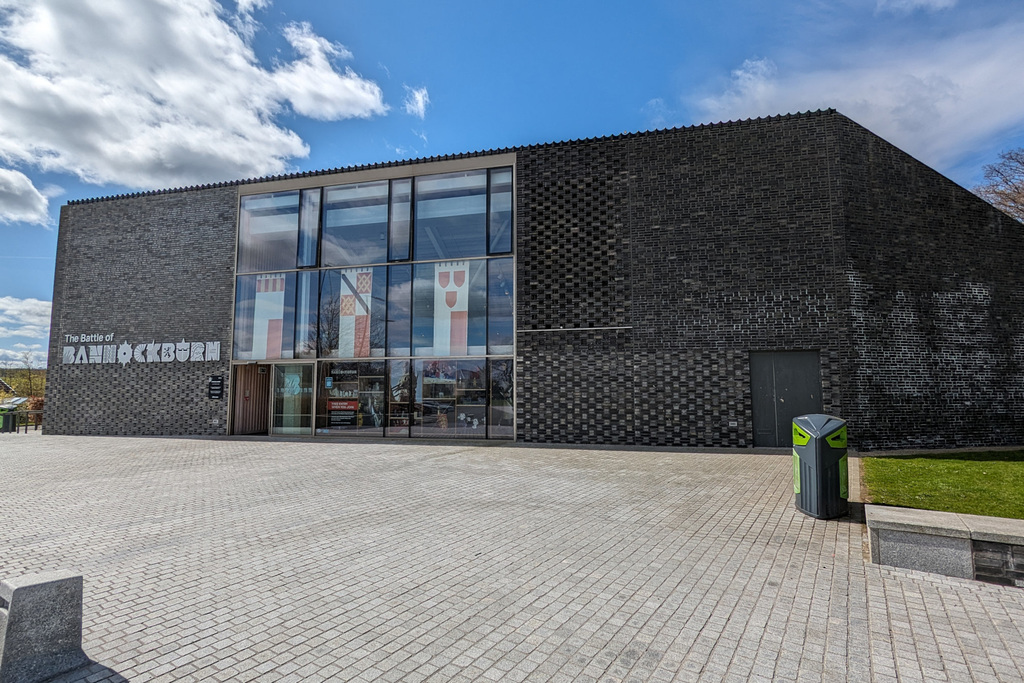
[820,474]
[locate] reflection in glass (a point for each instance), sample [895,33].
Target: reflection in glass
[309,227]
[500,287]
[293,399]
[435,319]
[471,399]
[400,384]
[399,310]
[401,219]
[434,409]
[450,308]
[351,398]
[268,227]
[352,312]
[500,215]
[450,215]
[245,295]
[264,316]
[450,399]
[355,224]
[306,315]
[502,422]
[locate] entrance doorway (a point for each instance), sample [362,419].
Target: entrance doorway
[293,400]
[273,399]
[251,405]
[784,385]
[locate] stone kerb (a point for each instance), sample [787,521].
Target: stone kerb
[988,549]
[40,626]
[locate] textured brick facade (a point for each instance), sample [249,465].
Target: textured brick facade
[151,268]
[700,245]
[936,308]
[649,267]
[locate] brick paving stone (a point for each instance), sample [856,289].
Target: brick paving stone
[245,560]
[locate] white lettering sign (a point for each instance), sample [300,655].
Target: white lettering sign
[124,353]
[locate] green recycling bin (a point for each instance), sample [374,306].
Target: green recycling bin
[820,474]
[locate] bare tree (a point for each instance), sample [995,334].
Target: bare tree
[325,338]
[1004,188]
[26,359]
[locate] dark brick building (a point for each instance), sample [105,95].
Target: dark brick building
[687,287]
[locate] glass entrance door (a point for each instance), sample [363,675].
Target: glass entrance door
[293,399]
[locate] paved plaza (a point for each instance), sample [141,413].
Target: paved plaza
[221,560]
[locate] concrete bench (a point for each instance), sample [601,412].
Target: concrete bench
[40,626]
[989,549]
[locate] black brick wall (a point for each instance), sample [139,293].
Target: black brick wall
[799,232]
[649,267]
[702,244]
[571,387]
[155,268]
[936,304]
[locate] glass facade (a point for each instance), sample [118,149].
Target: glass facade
[293,396]
[396,296]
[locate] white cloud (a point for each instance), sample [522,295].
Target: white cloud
[937,100]
[20,201]
[10,358]
[657,113]
[907,6]
[248,6]
[243,20]
[160,93]
[315,89]
[24,318]
[416,101]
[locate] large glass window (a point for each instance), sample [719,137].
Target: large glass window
[499,214]
[400,383]
[401,290]
[502,414]
[309,228]
[293,399]
[451,215]
[355,224]
[500,290]
[400,219]
[451,399]
[450,308]
[268,231]
[306,315]
[399,310]
[351,398]
[264,316]
[352,312]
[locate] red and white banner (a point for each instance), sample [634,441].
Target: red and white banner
[354,322]
[451,308]
[268,316]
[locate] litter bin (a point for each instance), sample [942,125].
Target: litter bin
[7,422]
[820,474]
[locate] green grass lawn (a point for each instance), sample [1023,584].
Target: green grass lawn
[990,483]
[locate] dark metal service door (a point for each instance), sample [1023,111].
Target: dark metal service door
[784,385]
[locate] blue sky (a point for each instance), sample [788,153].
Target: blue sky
[102,97]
